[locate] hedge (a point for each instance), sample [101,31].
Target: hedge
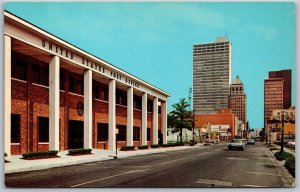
[5,154]
[127,148]
[154,146]
[39,154]
[143,147]
[290,164]
[79,151]
[172,144]
[282,156]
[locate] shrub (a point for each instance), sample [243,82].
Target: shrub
[39,154]
[282,156]
[290,164]
[127,148]
[143,147]
[79,151]
[5,154]
[273,148]
[172,144]
[154,146]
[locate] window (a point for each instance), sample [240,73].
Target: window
[43,129]
[136,133]
[40,74]
[19,69]
[101,92]
[61,80]
[15,128]
[148,134]
[76,85]
[121,97]
[159,109]
[137,102]
[102,131]
[150,106]
[122,132]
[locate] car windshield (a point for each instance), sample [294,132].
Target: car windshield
[236,141]
[251,140]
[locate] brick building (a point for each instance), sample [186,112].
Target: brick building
[237,100]
[59,97]
[223,117]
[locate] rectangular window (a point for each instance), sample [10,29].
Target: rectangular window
[159,109]
[137,102]
[40,74]
[76,85]
[101,92]
[102,131]
[15,128]
[150,106]
[136,133]
[19,69]
[121,97]
[61,80]
[122,132]
[148,134]
[43,129]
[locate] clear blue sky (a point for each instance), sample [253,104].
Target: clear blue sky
[153,41]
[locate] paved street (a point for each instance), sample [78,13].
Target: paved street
[206,166]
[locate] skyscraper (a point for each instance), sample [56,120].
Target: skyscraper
[211,76]
[286,75]
[237,100]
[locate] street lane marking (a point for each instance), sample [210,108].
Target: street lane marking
[217,149]
[202,153]
[237,158]
[259,186]
[261,158]
[133,171]
[261,173]
[175,160]
[265,164]
[214,182]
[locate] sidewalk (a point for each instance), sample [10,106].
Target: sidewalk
[17,164]
[286,149]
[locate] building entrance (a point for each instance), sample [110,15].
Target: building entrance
[75,134]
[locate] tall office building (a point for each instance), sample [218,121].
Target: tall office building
[286,75]
[273,97]
[237,100]
[211,76]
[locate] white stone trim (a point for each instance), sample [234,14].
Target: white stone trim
[144,119]
[130,116]
[112,115]
[88,110]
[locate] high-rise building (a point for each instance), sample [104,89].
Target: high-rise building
[211,76]
[237,100]
[273,97]
[286,75]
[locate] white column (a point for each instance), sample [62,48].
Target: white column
[88,110]
[144,119]
[130,116]
[155,122]
[112,115]
[164,121]
[7,95]
[54,103]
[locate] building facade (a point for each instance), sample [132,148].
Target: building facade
[237,100]
[286,75]
[273,97]
[59,97]
[223,118]
[211,76]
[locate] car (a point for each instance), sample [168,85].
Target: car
[236,144]
[250,142]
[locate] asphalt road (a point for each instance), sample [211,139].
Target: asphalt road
[205,166]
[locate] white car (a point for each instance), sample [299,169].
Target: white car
[236,144]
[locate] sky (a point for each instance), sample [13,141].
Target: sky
[154,41]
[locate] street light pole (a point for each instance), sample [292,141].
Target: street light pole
[282,134]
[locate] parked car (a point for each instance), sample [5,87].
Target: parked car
[250,142]
[291,144]
[236,144]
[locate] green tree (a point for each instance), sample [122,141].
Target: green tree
[180,117]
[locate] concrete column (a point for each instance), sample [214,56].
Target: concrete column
[144,119]
[155,122]
[7,95]
[54,103]
[112,115]
[164,122]
[130,116]
[88,110]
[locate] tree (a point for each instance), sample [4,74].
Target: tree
[180,117]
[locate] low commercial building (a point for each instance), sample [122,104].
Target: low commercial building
[59,97]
